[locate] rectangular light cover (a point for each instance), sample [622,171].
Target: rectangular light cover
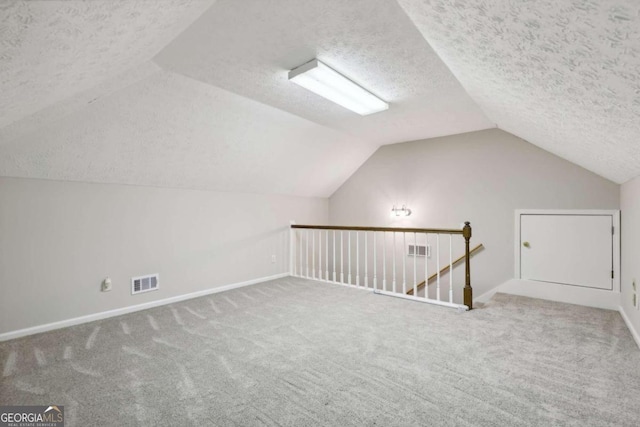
[328,83]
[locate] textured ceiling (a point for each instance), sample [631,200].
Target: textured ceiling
[251,45]
[214,109]
[50,50]
[562,74]
[194,94]
[202,137]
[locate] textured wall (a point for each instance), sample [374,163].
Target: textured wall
[562,74]
[59,240]
[480,177]
[630,206]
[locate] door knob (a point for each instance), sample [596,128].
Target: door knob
[526,244]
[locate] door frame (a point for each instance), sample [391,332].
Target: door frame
[615,216]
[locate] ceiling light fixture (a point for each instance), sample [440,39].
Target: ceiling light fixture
[323,80]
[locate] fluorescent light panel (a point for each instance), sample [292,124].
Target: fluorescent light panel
[328,83]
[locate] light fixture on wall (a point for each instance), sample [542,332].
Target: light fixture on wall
[328,83]
[403,211]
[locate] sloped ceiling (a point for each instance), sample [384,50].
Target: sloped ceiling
[252,44]
[562,74]
[194,94]
[51,50]
[186,134]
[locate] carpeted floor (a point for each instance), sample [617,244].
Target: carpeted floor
[300,353]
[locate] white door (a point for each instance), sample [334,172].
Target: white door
[567,249]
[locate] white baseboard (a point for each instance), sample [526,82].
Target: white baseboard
[130,309]
[570,294]
[361,288]
[589,297]
[486,296]
[634,333]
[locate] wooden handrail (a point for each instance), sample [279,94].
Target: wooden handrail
[446,268]
[389,229]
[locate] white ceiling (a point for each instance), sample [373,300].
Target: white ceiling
[194,94]
[214,109]
[52,50]
[248,47]
[562,74]
[187,134]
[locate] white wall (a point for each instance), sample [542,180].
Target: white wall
[58,240]
[480,177]
[630,204]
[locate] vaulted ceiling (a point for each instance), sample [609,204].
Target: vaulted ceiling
[562,74]
[194,94]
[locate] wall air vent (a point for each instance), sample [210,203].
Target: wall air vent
[422,250]
[142,284]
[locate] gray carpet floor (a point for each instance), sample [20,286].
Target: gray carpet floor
[294,352]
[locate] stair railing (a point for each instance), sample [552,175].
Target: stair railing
[318,252]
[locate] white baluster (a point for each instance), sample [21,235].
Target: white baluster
[415,265]
[438,266]
[384,260]
[320,254]
[404,263]
[313,253]
[334,256]
[394,262]
[306,258]
[450,270]
[375,263]
[292,250]
[357,258]
[349,252]
[326,253]
[426,265]
[341,257]
[300,254]
[366,272]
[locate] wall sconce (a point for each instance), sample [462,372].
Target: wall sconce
[403,211]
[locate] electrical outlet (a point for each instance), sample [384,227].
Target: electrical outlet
[273,259]
[106,285]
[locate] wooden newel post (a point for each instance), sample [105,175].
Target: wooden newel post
[468,291]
